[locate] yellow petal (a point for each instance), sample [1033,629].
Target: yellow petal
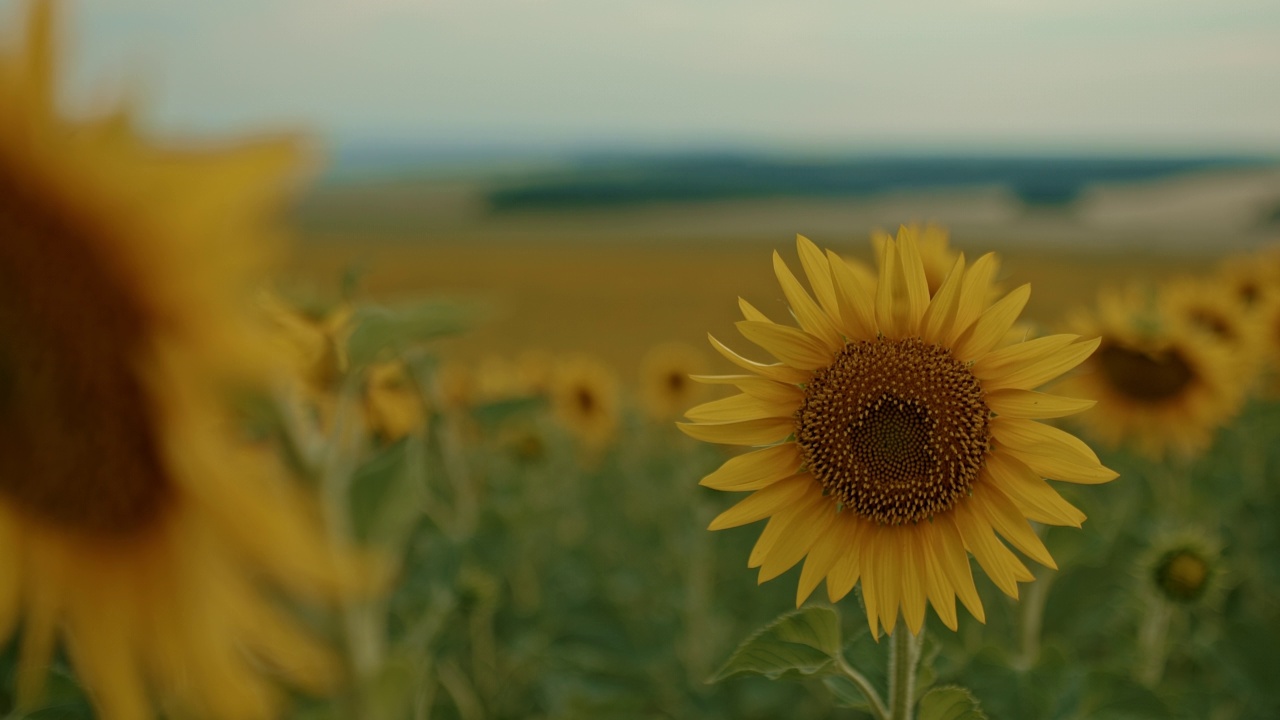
[1036,437]
[950,554]
[792,346]
[772,531]
[755,386]
[767,501]
[765,431]
[756,470]
[1008,360]
[818,270]
[915,285]
[837,541]
[992,325]
[973,295]
[1029,375]
[1034,405]
[743,407]
[1033,496]
[942,309]
[803,530]
[847,568]
[913,572]
[750,312]
[855,295]
[811,317]
[936,585]
[1057,467]
[888,287]
[781,373]
[1004,517]
[996,560]
[869,559]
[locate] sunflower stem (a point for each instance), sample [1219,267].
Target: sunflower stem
[1033,621]
[877,706]
[1153,643]
[904,657]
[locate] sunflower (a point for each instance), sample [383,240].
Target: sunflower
[393,405]
[137,526]
[1162,386]
[1253,278]
[666,387]
[1218,313]
[895,438]
[584,395]
[936,254]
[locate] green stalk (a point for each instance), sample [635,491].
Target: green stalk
[878,710]
[904,657]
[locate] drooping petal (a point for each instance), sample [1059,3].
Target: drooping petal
[837,541]
[1003,516]
[936,585]
[996,560]
[756,470]
[804,529]
[845,572]
[914,578]
[954,561]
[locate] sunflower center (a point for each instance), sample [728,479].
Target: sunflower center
[896,430]
[78,443]
[1181,575]
[1213,322]
[1146,377]
[586,400]
[676,383]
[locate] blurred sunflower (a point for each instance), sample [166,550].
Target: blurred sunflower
[136,525]
[316,346]
[1162,387]
[1183,567]
[666,387]
[896,437]
[1253,278]
[1214,310]
[584,395]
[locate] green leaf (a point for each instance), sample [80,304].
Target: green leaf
[846,694]
[380,329]
[949,702]
[798,644]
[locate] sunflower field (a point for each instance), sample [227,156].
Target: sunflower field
[276,452]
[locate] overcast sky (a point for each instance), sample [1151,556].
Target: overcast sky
[1139,75]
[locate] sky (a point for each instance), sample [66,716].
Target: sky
[1163,76]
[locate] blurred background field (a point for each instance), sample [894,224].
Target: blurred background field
[614,271]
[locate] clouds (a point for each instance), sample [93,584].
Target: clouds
[675,71]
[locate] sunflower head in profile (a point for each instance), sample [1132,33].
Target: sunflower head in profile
[666,387]
[584,395]
[1163,386]
[894,437]
[138,528]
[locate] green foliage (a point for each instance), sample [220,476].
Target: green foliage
[377,330]
[949,703]
[801,643]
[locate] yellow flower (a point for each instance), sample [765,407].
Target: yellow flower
[1254,278]
[393,404]
[584,395]
[895,437]
[665,386]
[1215,311]
[1162,387]
[934,242]
[136,525]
